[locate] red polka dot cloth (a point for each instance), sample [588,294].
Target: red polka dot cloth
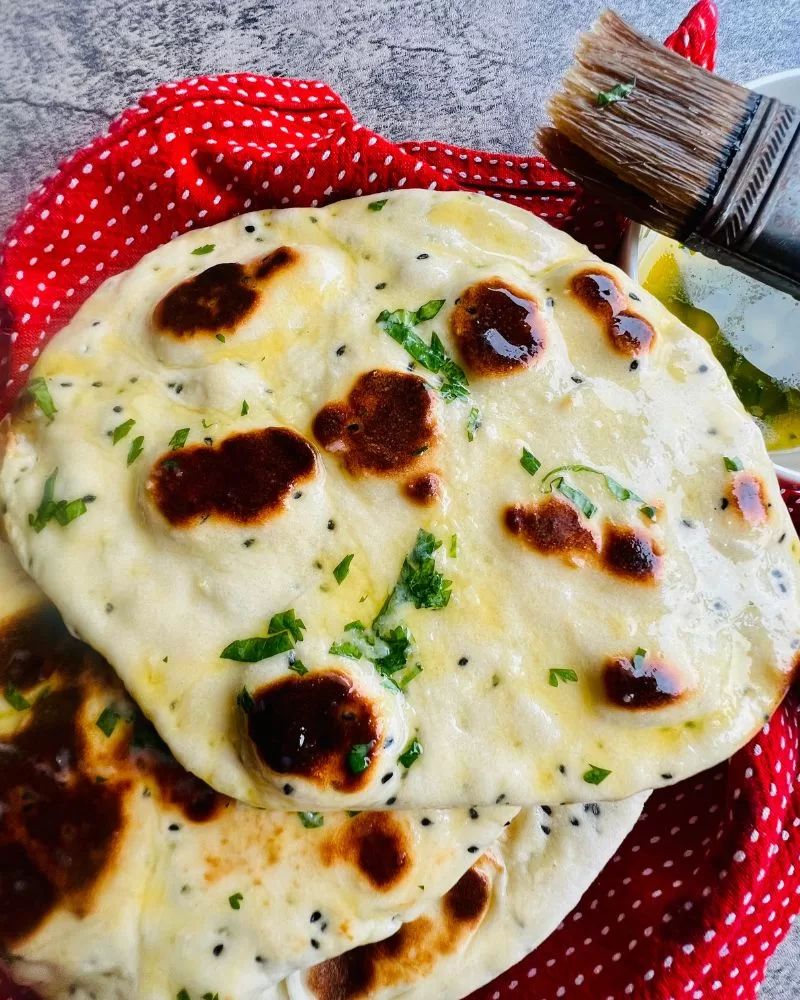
[708,882]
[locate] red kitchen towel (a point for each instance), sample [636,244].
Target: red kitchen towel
[708,882]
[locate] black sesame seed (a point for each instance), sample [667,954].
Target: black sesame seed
[315,916]
[314,943]
[687,523]
[323,927]
[133,379]
[96,322]
[507,823]
[463,661]
[712,432]
[423,256]
[574,821]
[117,409]
[723,504]
[96,385]
[249,229]
[545,830]
[591,807]
[666,776]
[218,950]
[389,742]
[109,608]
[473,849]
[782,538]
[634,365]
[634,296]
[288,789]
[576,379]
[426,822]
[354,428]
[340,350]
[174,826]
[547,810]
[66,385]
[391,800]
[179,388]
[562,769]
[380,286]
[248,542]
[473,812]
[260,959]
[703,369]
[500,798]
[331,525]
[89,498]
[387,777]
[208,440]
[550,302]
[298,494]
[783,588]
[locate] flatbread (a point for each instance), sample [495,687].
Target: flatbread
[570,658]
[497,913]
[123,877]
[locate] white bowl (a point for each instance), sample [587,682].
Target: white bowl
[786,87]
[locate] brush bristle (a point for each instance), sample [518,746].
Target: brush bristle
[658,152]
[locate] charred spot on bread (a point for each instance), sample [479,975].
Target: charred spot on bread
[599,292]
[499,329]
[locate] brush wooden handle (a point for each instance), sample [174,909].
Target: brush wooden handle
[753,221]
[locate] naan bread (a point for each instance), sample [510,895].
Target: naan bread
[282,428]
[499,911]
[123,877]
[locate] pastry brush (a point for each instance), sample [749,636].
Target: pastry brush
[705,161]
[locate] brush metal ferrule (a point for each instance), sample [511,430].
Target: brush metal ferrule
[753,219]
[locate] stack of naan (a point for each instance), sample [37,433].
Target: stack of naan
[367,566]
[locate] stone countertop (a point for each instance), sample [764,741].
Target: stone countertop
[473,72]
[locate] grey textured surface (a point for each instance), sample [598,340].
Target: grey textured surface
[473,72]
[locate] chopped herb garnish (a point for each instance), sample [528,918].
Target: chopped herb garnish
[298,667]
[348,649]
[400,327]
[419,582]
[358,758]
[411,753]
[121,431]
[289,622]
[37,388]
[558,674]
[581,501]
[236,901]
[648,511]
[376,206]
[473,423]
[616,489]
[405,679]
[107,720]
[178,439]
[355,626]
[245,700]
[453,546]
[529,462]
[255,649]
[211,996]
[595,775]
[220,338]
[311,820]
[63,511]
[733,464]
[136,449]
[617,93]
[15,698]
[638,659]
[200,251]
[245,408]
[182,995]
[207,424]
[343,568]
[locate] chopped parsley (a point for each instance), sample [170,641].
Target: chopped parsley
[376,206]
[638,659]
[581,501]
[473,423]
[236,901]
[732,464]
[355,626]
[411,753]
[107,720]
[283,632]
[341,570]
[63,511]
[358,757]
[453,546]
[182,995]
[298,667]
[558,674]
[245,408]
[245,701]
[595,775]
[400,327]
[220,338]
[529,462]
[178,439]
[37,388]
[618,92]
[122,430]
[201,251]
[419,583]
[348,649]
[137,446]
[311,820]
[15,698]
[211,996]
[552,480]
